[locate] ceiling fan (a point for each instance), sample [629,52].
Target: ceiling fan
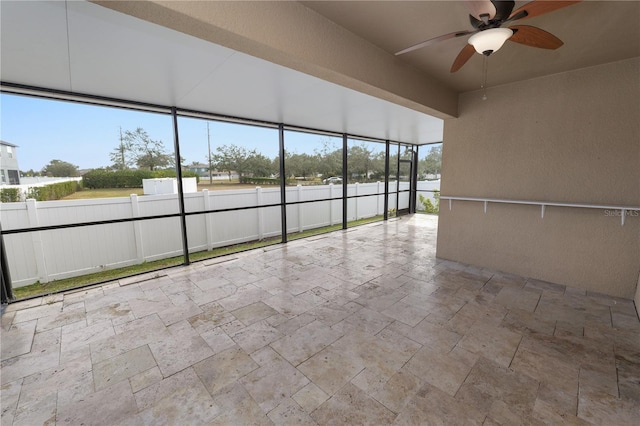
[488,18]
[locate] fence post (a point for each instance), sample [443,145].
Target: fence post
[137,227]
[300,218]
[208,219]
[356,202]
[36,238]
[331,204]
[260,213]
[378,210]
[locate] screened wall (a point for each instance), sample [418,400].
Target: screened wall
[140,188]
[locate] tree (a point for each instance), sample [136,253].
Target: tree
[149,154]
[261,166]
[123,155]
[361,162]
[300,165]
[30,173]
[329,159]
[376,171]
[230,158]
[233,158]
[59,168]
[432,163]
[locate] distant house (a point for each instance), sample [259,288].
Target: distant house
[203,171]
[9,170]
[199,168]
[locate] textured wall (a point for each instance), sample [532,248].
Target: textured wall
[637,298]
[571,137]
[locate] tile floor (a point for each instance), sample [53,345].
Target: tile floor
[357,327]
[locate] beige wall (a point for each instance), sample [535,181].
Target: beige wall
[637,298]
[571,137]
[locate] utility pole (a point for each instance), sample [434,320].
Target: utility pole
[209,146]
[124,165]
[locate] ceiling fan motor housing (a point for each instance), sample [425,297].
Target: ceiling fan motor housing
[488,41]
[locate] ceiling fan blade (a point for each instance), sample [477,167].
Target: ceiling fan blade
[477,8]
[535,37]
[465,54]
[434,40]
[540,7]
[503,9]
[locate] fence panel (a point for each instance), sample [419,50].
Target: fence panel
[392,195]
[22,260]
[78,251]
[160,238]
[14,216]
[59,212]
[426,188]
[56,254]
[271,216]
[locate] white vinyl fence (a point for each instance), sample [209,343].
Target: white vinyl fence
[426,188]
[62,253]
[33,182]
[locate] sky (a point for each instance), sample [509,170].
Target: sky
[85,135]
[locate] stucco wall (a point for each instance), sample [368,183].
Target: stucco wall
[637,298]
[571,137]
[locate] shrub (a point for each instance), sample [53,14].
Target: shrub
[260,180]
[10,195]
[55,191]
[172,173]
[100,178]
[428,205]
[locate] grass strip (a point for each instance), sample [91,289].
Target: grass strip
[40,289]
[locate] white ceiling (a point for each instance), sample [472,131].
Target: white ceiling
[87,49]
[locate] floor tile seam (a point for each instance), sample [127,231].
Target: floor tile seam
[204,386]
[610,316]
[516,351]
[121,354]
[13,321]
[538,382]
[33,335]
[309,357]
[578,392]
[14,307]
[288,397]
[331,395]
[294,402]
[422,346]
[407,371]
[541,381]
[555,328]
[395,413]
[618,381]
[454,396]
[238,382]
[15,409]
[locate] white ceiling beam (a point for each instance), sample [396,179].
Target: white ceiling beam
[289,34]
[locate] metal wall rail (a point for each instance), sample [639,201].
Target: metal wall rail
[543,204]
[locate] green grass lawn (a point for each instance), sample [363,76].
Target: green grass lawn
[39,289]
[103,193]
[126,192]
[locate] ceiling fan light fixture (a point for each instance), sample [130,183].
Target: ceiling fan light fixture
[488,41]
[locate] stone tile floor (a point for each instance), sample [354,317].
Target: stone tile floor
[357,327]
